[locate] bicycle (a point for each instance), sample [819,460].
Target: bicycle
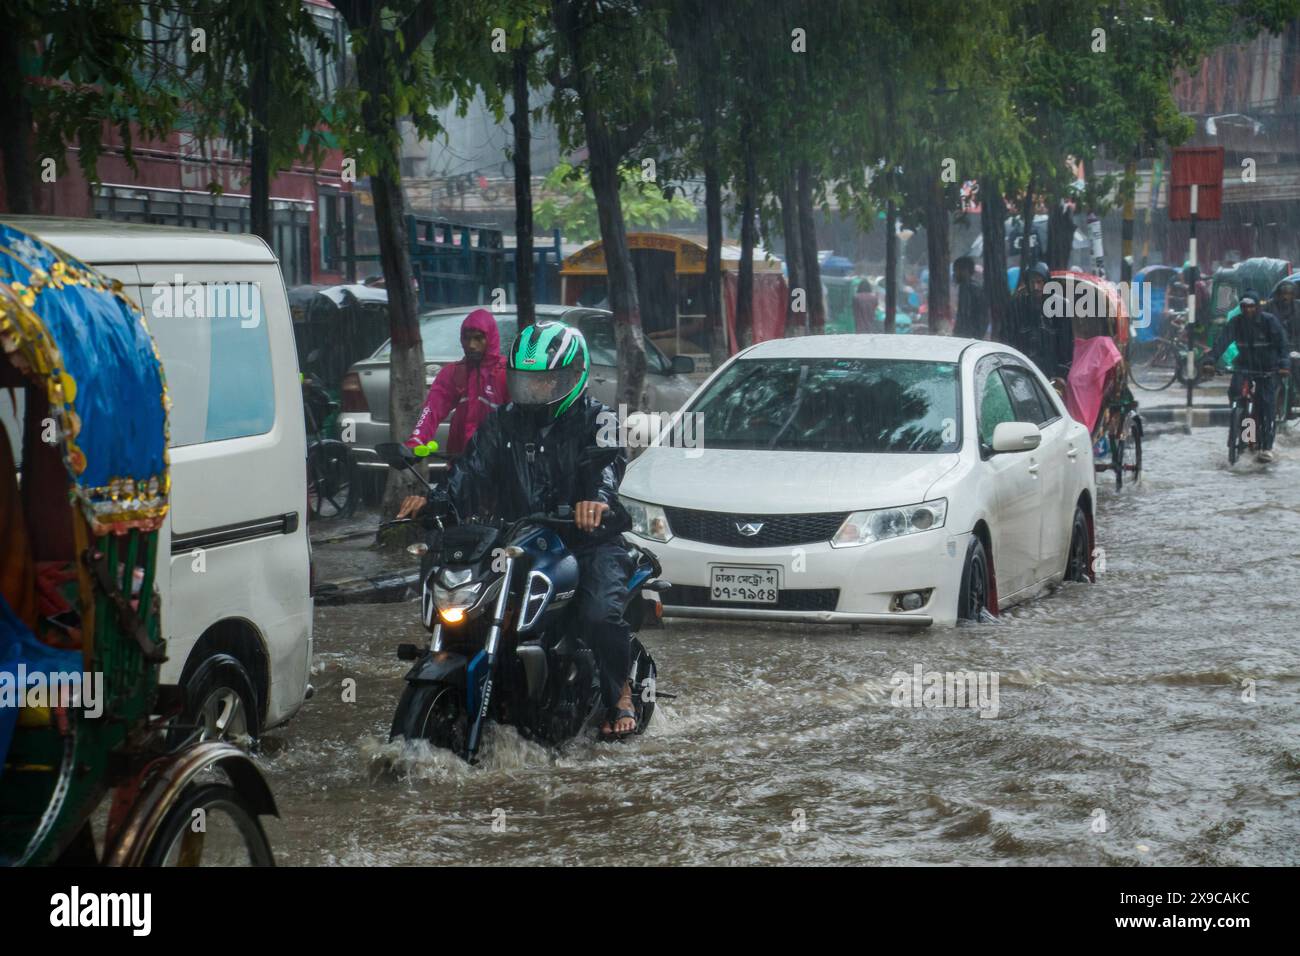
[1168,352]
[1244,421]
[331,471]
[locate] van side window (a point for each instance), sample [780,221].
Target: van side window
[217,358]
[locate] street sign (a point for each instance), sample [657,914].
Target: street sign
[1200,166]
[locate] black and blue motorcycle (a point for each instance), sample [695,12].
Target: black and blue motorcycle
[497,599]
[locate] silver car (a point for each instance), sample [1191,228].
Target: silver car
[365,387]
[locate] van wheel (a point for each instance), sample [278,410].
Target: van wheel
[973,599]
[220,702]
[1079,565]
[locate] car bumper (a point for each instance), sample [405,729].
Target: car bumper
[818,584]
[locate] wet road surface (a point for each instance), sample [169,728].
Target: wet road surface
[1151,718]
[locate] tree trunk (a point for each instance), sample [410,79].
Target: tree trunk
[812,273]
[1126,236]
[623,300]
[16,121]
[715,321]
[1060,235]
[523,187]
[1027,258]
[259,187]
[936,245]
[796,320]
[993,229]
[891,267]
[745,279]
[406,389]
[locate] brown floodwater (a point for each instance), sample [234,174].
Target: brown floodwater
[1150,718]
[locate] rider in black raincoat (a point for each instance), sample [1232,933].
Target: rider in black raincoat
[1262,352]
[527,457]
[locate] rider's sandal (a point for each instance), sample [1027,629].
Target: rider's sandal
[619,715]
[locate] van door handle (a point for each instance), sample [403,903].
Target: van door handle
[1072,453]
[1033,470]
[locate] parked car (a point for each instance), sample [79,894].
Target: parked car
[236,592]
[868,479]
[365,387]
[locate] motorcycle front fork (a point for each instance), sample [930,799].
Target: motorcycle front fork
[490,649]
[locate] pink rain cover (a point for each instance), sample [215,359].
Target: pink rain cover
[1086,387]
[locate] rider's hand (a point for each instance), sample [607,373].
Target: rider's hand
[587,514]
[412,505]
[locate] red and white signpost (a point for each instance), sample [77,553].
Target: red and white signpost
[1195,192]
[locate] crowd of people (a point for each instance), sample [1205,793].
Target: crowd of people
[1261,329]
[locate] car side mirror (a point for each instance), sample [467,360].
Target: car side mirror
[1016,436]
[683,365]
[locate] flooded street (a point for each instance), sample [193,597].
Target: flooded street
[1125,731]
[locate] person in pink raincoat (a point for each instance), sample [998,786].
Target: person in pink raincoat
[470,389]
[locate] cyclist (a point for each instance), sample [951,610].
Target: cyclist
[1262,353]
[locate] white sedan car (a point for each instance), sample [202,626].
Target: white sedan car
[867,479]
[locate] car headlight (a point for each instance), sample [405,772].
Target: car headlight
[648,521]
[864,527]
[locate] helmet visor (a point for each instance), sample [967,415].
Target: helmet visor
[544,387]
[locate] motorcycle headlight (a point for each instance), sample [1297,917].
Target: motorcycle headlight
[451,578]
[452,603]
[864,527]
[648,521]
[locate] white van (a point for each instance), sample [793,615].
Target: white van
[236,601]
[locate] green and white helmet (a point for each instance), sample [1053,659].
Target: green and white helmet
[547,367]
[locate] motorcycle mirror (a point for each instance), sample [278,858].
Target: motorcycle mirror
[394,454]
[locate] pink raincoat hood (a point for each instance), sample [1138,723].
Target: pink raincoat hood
[480,320]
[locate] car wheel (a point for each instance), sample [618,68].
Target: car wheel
[976,579]
[220,702]
[1078,566]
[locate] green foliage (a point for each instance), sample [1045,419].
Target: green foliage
[217,84]
[84,65]
[570,205]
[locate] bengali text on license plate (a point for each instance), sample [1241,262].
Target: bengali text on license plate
[755,585]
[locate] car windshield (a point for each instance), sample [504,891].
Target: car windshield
[835,405]
[441,336]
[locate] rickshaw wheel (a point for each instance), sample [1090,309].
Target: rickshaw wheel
[230,834]
[1131,459]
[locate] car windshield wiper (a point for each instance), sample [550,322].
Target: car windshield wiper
[798,401]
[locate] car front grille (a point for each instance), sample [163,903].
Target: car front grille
[775,531]
[787,599]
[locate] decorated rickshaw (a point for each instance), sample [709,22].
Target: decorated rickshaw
[96,768]
[1097,392]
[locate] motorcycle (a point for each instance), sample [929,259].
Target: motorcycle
[497,599]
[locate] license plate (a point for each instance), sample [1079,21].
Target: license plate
[748,585]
